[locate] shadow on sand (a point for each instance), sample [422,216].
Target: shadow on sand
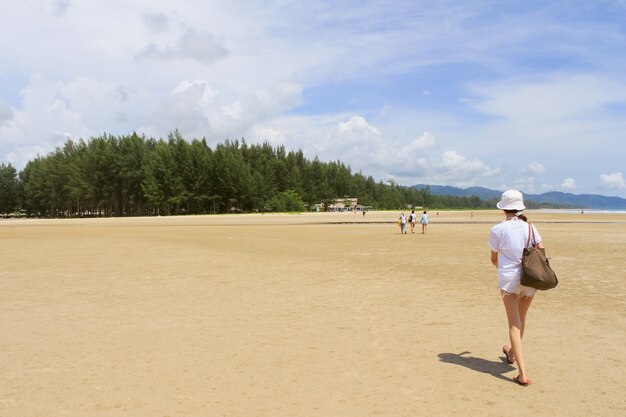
[497,369]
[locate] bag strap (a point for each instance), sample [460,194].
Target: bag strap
[531,232]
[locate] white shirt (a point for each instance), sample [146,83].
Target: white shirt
[509,240]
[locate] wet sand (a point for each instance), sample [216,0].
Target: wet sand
[330,314]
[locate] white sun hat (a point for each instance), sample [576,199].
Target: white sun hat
[511,200]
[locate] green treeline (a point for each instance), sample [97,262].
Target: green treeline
[135,176]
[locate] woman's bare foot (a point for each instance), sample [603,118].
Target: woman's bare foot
[510,360]
[523,382]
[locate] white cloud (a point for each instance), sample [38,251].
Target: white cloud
[192,44]
[568,184]
[452,160]
[356,140]
[535,168]
[22,154]
[358,125]
[6,112]
[267,133]
[526,184]
[156,22]
[548,187]
[547,110]
[359,144]
[613,181]
[186,109]
[52,112]
[552,99]
[234,110]
[426,93]
[425,142]
[456,169]
[45,110]
[313,134]
[207,93]
[198,110]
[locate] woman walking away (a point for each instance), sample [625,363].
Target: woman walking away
[402,222]
[424,221]
[507,242]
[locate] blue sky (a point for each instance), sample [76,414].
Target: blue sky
[528,95]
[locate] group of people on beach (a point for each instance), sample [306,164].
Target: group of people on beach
[412,220]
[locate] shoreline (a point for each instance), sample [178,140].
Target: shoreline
[546,216]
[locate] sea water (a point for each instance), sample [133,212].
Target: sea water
[579,211]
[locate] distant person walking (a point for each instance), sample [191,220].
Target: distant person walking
[402,221]
[507,241]
[412,220]
[424,221]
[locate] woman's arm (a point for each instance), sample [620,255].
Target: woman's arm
[494,258]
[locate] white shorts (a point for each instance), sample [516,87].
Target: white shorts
[519,290]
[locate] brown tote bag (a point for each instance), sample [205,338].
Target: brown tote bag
[536,270]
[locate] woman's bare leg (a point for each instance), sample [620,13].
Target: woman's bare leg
[516,308]
[524,305]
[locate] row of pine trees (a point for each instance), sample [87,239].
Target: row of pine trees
[135,176]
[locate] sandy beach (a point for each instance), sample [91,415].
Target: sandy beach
[318,314]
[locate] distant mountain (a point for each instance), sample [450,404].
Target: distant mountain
[592,201]
[589,201]
[481,192]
